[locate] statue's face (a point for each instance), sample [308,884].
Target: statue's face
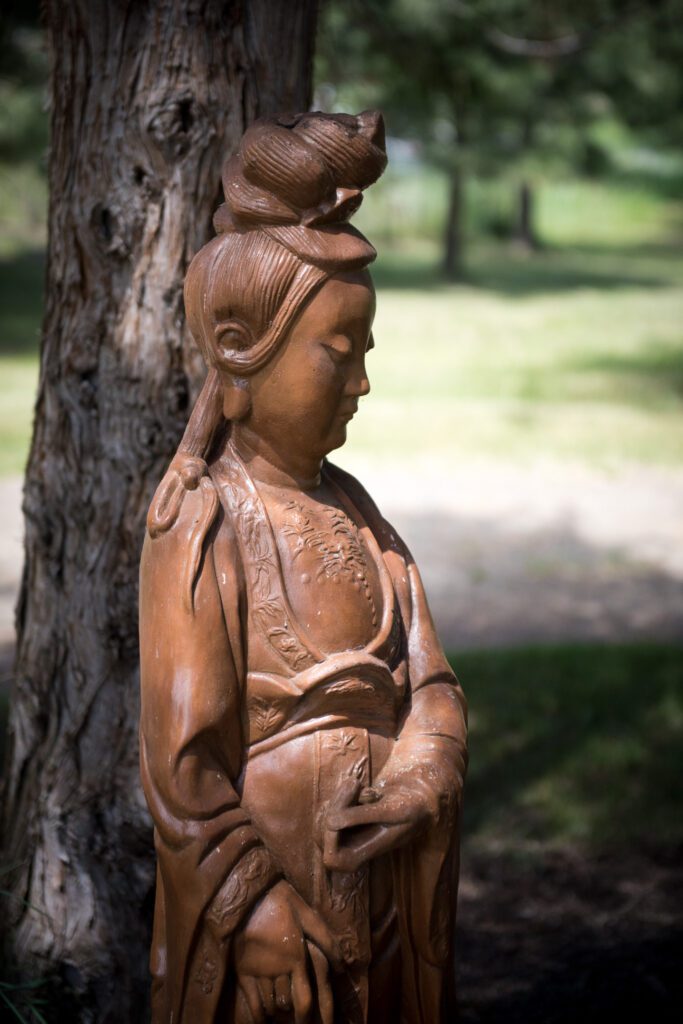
[304,398]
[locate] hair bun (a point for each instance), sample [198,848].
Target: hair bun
[299,177]
[285,165]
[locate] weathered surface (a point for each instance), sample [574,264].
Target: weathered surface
[147,100]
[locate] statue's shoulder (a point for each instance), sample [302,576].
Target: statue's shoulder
[180,523]
[185,499]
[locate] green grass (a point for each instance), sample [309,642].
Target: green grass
[575,351]
[18,388]
[590,368]
[580,746]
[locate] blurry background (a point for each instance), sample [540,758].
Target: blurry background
[525,435]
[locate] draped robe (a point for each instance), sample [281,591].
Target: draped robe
[248,725]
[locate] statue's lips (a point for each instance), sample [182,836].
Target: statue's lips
[348,414]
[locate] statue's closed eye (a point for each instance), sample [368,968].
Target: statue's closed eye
[340,349]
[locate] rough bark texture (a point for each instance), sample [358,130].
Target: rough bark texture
[148,97]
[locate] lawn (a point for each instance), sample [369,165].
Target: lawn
[574,746]
[575,351]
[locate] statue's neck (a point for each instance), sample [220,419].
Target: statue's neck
[270,467]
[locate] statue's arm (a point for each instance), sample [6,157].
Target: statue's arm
[191,743]
[422,781]
[432,744]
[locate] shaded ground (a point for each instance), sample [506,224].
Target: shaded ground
[570,939]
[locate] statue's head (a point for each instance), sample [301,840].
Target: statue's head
[280,302]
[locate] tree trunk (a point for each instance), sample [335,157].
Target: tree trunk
[525,235]
[453,235]
[148,97]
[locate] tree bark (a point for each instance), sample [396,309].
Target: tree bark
[453,235]
[148,98]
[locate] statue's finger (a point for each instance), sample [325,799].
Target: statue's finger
[316,930]
[345,794]
[283,992]
[267,993]
[302,996]
[321,969]
[364,846]
[242,1011]
[252,997]
[365,814]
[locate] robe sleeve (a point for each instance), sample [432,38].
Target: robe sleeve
[430,755]
[431,749]
[212,864]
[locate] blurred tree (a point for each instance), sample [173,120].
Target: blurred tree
[147,99]
[23,124]
[502,86]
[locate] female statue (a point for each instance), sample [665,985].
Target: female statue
[302,735]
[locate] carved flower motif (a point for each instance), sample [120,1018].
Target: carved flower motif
[206,974]
[264,714]
[338,550]
[342,741]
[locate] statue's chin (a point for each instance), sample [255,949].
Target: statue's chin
[337,439]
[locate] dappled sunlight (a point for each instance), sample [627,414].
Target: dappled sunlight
[580,745]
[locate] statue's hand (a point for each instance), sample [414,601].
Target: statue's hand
[275,950]
[381,822]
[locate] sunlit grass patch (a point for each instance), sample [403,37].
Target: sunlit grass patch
[18,379]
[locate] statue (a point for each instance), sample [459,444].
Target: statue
[303,739]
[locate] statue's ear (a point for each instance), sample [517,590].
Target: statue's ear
[232,336]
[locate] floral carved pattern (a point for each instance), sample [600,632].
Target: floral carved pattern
[236,892]
[206,974]
[268,606]
[339,550]
[342,741]
[347,891]
[264,714]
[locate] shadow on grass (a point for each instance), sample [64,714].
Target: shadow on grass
[21,302]
[509,272]
[658,366]
[499,269]
[578,743]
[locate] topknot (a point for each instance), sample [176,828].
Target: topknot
[299,178]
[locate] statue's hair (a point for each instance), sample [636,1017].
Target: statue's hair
[282,232]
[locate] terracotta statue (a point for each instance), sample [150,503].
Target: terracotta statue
[302,735]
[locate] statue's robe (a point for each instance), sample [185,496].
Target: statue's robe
[250,721]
